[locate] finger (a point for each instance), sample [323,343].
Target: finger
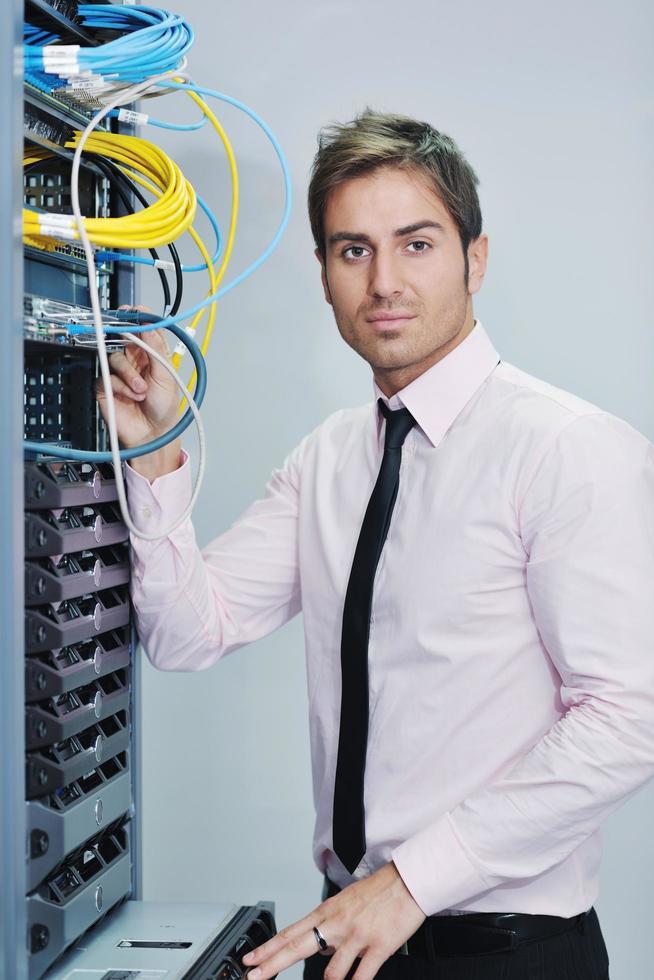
[157,340]
[121,366]
[139,309]
[296,929]
[370,965]
[120,390]
[283,950]
[341,962]
[136,356]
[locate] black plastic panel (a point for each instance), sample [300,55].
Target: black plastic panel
[64,484]
[54,579]
[58,671]
[59,532]
[60,624]
[60,404]
[59,765]
[67,714]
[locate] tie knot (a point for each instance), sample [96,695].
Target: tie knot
[398,425]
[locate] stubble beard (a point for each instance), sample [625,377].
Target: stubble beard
[405,348]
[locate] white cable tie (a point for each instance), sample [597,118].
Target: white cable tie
[85,80]
[180,349]
[57,231]
[66,220]
[59,52]
[65,69]
[56,50]
[61,59]
[165,265]
[132,118]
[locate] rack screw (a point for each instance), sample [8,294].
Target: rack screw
[40,937]
[39,843]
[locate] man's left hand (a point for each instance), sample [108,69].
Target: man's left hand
[369,919]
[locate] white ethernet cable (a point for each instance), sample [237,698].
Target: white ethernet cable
[132,338]
[127,95]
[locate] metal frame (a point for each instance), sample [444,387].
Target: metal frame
[13,948]
[13,827]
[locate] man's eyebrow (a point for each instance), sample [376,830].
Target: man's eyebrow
[417,226]
[360,236]
[348,236]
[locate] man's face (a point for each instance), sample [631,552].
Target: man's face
[394,273]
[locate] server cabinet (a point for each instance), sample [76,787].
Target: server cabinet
[69,700]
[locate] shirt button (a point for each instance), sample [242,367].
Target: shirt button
[146,512]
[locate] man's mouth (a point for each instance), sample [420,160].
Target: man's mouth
[390,321]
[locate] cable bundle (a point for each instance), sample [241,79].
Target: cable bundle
[152,41]
[147,60]
[38,36]
[158,224]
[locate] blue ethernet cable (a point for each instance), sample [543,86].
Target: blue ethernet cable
[177,127]
[153,41]
[63,452]
[143,324]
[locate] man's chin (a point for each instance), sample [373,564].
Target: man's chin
[387,360]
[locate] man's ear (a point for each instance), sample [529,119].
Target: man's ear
[477,261]
[323,276]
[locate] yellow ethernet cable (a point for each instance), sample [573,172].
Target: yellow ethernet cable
[230,235]
[213,279]
[159,224]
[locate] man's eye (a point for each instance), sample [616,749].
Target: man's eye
[354,252]
[420,246]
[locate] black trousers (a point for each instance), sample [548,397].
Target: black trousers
[570,956]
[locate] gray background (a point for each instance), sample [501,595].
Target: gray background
[553,106]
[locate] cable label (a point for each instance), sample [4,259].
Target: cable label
[85,80]
[133,118]
[60,59]
[57,231]
[66,220]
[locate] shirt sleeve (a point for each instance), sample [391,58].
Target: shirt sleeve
[587,524]
[194,606]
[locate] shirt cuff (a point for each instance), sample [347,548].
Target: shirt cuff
[436,868]
[156,505]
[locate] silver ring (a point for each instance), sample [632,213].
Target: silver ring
[320,939]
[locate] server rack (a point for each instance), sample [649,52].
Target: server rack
[69,699]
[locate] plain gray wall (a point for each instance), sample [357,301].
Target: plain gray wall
[552,104]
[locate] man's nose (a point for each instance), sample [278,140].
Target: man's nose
[385,277]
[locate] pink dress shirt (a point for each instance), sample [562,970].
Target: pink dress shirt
[511,641]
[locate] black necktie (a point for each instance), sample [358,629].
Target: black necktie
[349,830]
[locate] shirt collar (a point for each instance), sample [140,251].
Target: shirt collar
[437,396]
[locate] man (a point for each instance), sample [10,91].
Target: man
[473,556]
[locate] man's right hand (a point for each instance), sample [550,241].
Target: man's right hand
[146,399]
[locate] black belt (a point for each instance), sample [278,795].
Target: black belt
[474,933]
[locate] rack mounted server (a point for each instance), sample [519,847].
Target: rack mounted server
[69,700]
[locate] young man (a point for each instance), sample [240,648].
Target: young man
[473,556]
